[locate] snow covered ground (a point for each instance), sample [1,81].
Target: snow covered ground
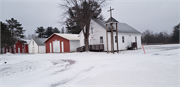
[159,67]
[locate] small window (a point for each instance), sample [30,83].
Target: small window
[91,30]
[122,39]
[115,39]
[135,39]
[101,39]
[84,41]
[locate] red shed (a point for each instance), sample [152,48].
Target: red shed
[59,43]
[19,47]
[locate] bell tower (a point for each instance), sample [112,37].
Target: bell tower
[110,23]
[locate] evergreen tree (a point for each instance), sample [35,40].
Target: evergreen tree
[175,34]
[49,31]
[6,38]
[56,30]
[41,32]
[16,29]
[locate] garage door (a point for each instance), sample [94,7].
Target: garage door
[56,46]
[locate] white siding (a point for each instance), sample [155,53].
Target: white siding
[74,44]
[33,48]
[99,31]
[42,49]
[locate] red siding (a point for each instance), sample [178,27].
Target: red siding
[18,45]
[61,39]
[7,47]
[26,48]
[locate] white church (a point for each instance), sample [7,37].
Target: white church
[100,33]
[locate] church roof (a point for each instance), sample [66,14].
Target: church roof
[122,27]
[111,20]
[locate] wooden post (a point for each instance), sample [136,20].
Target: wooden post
[112,41]
[107,38]
[117,38]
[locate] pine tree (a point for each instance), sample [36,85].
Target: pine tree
[16,29]
[6,39]
[175,35]
[56,30]
[41,32]
[49,31]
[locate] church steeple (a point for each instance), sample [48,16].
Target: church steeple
[110,22]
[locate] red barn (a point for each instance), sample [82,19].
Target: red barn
[59,43]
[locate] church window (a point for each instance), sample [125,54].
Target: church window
[122,39]
[115,39]
[101,39]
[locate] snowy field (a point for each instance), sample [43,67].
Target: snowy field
[159,67]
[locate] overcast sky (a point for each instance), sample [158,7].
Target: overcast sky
[155,15]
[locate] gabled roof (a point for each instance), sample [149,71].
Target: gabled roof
[111,20]
[122,27]
[40,41]
[66,36]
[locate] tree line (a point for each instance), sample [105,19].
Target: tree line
[46,32]
[149,37]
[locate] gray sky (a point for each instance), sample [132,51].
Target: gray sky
[155,15]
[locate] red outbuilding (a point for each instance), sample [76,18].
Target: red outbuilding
[59,43]
[18,47]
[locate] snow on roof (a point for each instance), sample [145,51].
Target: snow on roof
[26,41]
[66,36]
[122,27]
[69,36]
[40,41]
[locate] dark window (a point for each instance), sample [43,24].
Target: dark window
[122,39]
[101,39]
[135,39]
[84,41]
[115,39]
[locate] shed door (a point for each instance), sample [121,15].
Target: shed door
[62,46]
[18,50]
[56,46]
[6,50]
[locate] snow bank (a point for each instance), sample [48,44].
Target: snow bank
[132,68]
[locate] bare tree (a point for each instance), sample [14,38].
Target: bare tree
[84,11]
[30,36]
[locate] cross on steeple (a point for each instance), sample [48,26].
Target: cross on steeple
[110,11]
